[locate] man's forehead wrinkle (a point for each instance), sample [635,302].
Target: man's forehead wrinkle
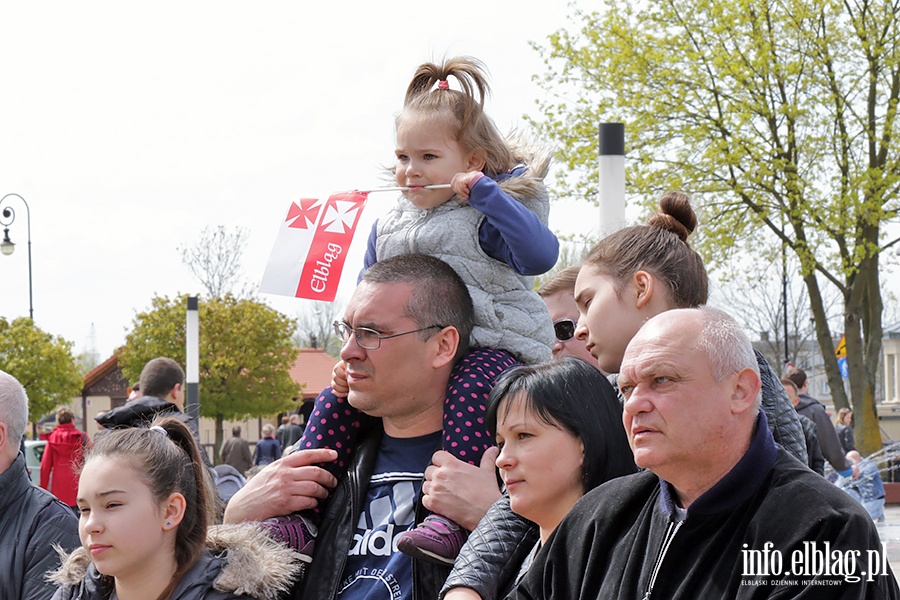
[643,359]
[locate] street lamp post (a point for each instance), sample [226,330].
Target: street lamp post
[7,217]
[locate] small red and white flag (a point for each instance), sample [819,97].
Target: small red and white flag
[312,245]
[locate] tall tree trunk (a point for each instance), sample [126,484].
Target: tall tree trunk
[864,373]
[826,342]
[220,437]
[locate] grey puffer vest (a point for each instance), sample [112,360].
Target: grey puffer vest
[509,315]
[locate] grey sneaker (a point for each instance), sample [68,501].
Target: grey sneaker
[437,539]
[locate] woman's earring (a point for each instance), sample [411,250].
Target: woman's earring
[168,523]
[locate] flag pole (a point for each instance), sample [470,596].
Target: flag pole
[438,186]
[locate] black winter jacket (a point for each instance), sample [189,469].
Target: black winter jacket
[140,412]
[31,521]
[339,516]
[814,410]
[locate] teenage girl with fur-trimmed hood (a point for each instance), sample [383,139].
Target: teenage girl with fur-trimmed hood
[146,507]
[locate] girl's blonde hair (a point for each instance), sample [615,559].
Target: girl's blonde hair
[168,462]
[427,96]
[839,419]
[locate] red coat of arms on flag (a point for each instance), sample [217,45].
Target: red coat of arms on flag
[311,247]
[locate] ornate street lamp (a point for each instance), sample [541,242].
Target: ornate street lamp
[7,247]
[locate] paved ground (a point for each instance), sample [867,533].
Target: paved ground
[890,534]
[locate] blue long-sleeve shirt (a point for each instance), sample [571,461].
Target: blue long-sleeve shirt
[509,233]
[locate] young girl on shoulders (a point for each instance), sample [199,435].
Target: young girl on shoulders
[146,506]
[490,225]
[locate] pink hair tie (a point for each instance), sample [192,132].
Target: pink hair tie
[443,84]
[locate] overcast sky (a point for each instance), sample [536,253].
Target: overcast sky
[130,127]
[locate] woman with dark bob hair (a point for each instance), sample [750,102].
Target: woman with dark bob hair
[559,428]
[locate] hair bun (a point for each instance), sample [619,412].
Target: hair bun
[675,215]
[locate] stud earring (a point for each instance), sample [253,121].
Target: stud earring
[168,523]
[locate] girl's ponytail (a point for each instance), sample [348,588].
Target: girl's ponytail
[194,484]
[429,94]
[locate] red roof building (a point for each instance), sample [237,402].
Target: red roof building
[312,370]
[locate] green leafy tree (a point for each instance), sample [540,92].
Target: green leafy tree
[43,364]
[780,116]
[245,354]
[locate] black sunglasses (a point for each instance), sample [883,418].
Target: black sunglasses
[564,329]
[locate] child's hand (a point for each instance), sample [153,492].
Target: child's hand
[339,381]
[462,183]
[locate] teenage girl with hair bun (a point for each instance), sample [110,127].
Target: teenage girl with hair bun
[146,506]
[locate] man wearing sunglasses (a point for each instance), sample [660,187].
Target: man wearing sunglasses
[406,325]
[559,295]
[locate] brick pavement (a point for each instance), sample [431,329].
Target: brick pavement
[890,534]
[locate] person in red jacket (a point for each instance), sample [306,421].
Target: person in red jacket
[62,458]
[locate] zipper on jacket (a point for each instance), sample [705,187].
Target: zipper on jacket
[353,484]
[414,230]
[671,530]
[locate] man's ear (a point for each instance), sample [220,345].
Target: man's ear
[447,341]
[174,393]
[644,284]
[4,434]
[746,388]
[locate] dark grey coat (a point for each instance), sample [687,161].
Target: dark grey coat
[31,520]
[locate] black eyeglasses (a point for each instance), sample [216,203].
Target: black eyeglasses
[369,338]
[564,329]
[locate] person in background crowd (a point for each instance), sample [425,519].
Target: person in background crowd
[279,433]
[62,458]
[867,487]
[559,295]
[31,519]
[843,426]
[267,449]
[162,393]
[236,451]
[813,449]
[292,433]
[812,409]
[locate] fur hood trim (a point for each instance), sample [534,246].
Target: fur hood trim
[256,566]
[534,155]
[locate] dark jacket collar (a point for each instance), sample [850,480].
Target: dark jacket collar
[806,400]
[13,482]
[138,412]
[738,484]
